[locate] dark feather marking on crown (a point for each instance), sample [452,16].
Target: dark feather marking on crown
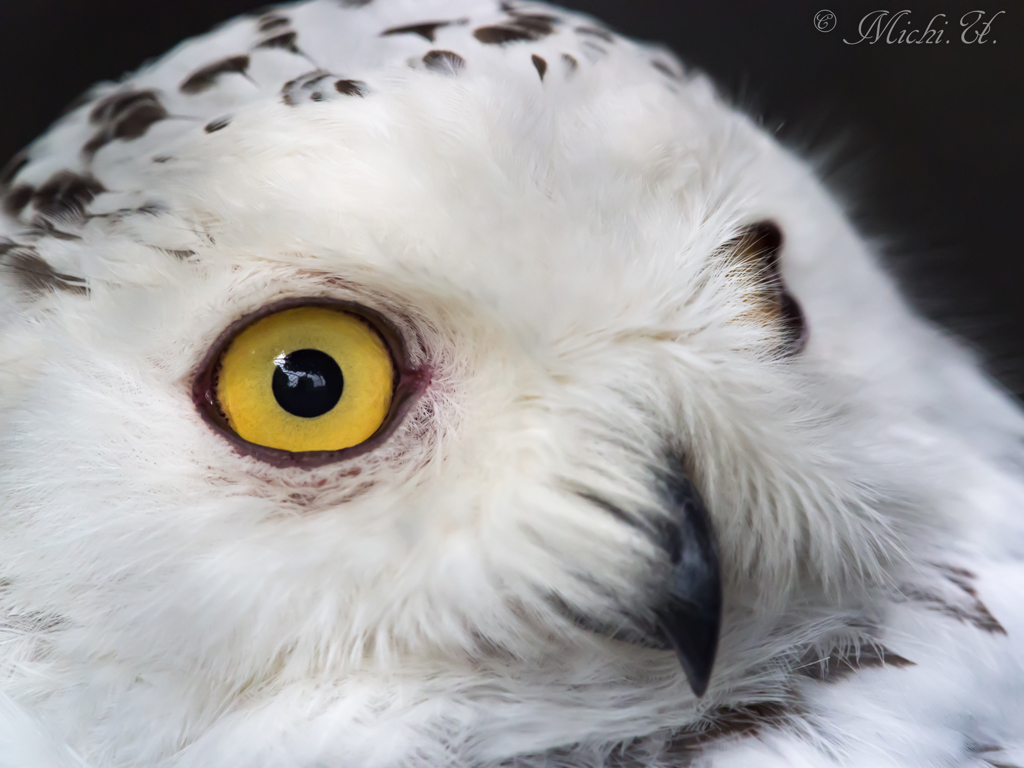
[293,89]
[351,87]
[66,194]
[124,116]
[540,65]
[271,21]
[519,27]
[206,77]
[33,273]
[425,29]
[284,41]
[217,125]
[446,62]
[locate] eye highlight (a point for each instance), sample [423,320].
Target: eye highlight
[305,379]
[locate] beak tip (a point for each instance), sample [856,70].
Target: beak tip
[694,638]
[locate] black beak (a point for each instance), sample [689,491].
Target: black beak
[684,610]
[688,612]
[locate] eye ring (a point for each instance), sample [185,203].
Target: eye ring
[410,383]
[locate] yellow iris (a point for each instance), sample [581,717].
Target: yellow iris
[306,379]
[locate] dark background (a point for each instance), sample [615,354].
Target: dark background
[925,143]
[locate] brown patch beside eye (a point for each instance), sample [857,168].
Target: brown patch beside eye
[444,61]
[756,254]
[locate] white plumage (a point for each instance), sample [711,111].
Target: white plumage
[575,243]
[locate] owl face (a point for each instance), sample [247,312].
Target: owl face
[516,366]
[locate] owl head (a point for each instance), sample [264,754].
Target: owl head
[398,381]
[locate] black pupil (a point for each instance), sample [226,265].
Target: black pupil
[307,383]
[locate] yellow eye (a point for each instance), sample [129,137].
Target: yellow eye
[305,379]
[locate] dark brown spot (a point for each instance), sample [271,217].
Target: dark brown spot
[497,35]
[97,142]
[271,21]
[124,116]
[426,29]
[115,105]
[354,3]
[206,77]
[521,26]
[17,199]
[162,159]
[841,663]
[448,62]
[304,87]
[13,168]
[604,34]
[351,87]
[540,65]
[570,62]
[35,275]
[216,125]
[136,122]
[179,253]
[66,194]
[284,41]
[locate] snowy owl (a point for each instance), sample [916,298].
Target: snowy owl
[456,383]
